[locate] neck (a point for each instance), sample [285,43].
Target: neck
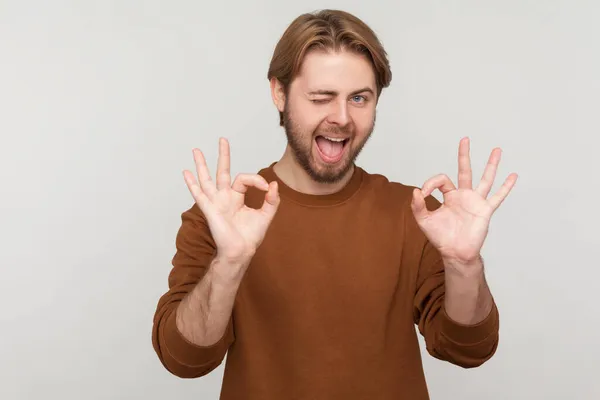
[293,175]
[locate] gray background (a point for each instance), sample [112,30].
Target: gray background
[102,102]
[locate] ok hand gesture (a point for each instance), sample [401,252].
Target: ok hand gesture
[459,227]
[238,230]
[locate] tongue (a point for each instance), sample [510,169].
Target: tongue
[329,148]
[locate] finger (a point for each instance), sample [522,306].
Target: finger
[489,174]
[206,184]
[196,191]
[272,200]
[465,174]
[418,205]
[496,200]
[244,181]
[441,182]
[223,165]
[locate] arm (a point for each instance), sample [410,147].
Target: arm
[193,327]
[204,314]
[442,307]
[468,298]
[193,323]
[454,308]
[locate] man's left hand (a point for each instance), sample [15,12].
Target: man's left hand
[458,228]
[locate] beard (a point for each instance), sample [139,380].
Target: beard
[301,144]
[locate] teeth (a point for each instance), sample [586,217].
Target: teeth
[334,139]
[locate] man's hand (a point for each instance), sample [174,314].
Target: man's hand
[458,228]
[238,230]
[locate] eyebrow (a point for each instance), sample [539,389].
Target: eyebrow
[333,93]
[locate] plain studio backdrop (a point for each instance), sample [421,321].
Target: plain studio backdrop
[101,104]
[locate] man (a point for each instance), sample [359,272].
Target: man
[312,274]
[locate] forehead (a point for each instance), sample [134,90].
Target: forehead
[342,71]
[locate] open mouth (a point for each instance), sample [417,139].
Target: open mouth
[331,149]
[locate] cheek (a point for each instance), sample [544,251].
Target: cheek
[363,119]
[309,118]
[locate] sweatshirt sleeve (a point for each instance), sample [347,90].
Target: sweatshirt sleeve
[467,346]
[195,249]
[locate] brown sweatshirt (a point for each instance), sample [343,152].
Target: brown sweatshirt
[330,302]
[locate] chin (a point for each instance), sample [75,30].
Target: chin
[323,172]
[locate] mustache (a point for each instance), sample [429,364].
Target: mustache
[336,130]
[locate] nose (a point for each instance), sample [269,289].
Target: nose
[339,114]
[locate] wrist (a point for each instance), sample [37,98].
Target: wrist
[228,271]
[235,258]
[464,269]
[464,278]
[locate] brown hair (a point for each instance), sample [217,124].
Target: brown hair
[327,30]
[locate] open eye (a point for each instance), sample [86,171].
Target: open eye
[359,99]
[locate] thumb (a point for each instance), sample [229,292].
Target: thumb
[272,200]
[418,205]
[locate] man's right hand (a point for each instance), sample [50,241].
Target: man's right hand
[237,229]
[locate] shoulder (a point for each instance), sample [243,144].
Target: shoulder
[395,193]
[381,186]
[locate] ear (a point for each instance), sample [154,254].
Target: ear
[278,94]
